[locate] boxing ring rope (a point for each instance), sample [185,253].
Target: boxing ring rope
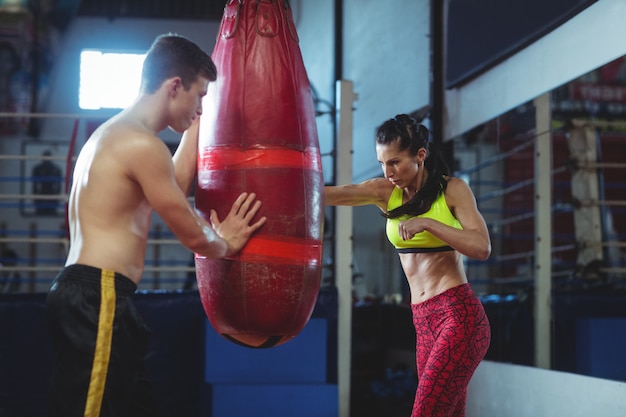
[502,216]
[507,189]
[574,243]
[33,246]
[589,203]
[528,255]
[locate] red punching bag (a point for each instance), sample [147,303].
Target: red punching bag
[258,134]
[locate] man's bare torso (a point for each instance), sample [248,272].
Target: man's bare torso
[109,217]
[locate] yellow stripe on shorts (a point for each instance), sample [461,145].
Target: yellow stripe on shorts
[102,354]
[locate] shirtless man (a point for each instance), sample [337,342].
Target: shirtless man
[123,172]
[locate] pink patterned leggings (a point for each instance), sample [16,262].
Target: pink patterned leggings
[453,336]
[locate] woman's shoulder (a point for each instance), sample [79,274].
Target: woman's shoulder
[455,182]
[457,190]
[383,189]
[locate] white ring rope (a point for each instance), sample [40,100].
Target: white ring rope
[33,197]
[45,115]
[597,165]
[64,240]
[56,268]
[498,157]
[34,157]
[530,254]
[594,203]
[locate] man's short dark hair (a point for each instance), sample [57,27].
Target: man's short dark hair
[175,56]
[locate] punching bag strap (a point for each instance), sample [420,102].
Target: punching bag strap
[266,19]
[230,21]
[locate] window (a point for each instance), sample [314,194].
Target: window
[108,79]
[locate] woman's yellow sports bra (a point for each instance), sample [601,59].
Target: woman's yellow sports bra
[424,241]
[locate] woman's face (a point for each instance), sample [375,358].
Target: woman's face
[398,166]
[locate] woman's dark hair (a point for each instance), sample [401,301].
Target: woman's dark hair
[409,135]
[175,56]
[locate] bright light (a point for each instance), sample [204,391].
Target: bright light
[108,80]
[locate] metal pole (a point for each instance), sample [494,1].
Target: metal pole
[543,232]
[343,244]
[437,69]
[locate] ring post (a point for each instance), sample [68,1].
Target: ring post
[543,232]
[343,244]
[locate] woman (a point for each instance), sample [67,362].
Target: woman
[432,220]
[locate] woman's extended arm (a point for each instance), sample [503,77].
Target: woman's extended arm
[375,192]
